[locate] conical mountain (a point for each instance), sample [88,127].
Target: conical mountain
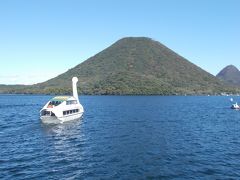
[230,75]
[136,65]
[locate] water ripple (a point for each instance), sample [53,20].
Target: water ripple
[122,137]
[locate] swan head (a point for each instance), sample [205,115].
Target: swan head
[74,79]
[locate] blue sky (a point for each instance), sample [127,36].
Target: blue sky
[42,38]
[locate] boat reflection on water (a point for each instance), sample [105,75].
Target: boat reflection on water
[63,142]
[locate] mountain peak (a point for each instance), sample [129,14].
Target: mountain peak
[228,69]
[135,40]
[231,68]
[230,74]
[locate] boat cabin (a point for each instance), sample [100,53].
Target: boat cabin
[65,101]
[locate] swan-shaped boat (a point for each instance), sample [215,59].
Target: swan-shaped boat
[235,106]
[62,108]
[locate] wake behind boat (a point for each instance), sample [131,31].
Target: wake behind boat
[62,108]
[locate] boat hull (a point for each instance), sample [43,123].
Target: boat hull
[60,120]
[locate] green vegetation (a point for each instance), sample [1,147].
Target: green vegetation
[132,66]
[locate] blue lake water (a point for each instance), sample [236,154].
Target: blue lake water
[122,137]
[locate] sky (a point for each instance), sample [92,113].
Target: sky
[40,39]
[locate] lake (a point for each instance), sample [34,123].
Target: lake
[122,137]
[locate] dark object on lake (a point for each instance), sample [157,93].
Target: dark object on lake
[235,106]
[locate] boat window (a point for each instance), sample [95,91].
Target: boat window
[70,111]
[45,113]
[58,102]
[54,103]
[74,102]
[71,102]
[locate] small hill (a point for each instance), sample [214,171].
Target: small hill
[134,65]
[230,74]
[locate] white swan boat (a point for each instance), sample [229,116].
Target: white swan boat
[62,108]
[235,106]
